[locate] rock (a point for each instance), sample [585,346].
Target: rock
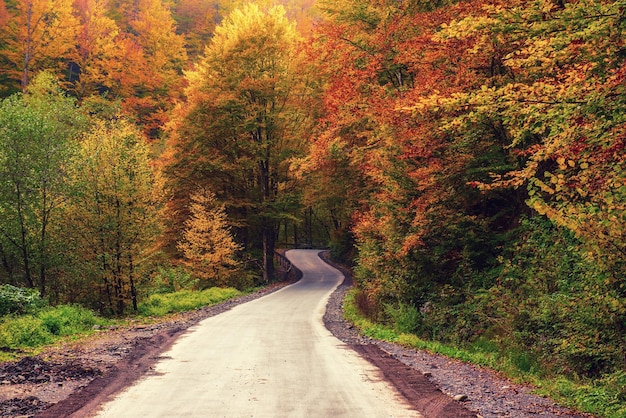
[427,374]
[96,327]
[460,398]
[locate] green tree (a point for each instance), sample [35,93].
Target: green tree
[37,132]
[114,213]
[242,121]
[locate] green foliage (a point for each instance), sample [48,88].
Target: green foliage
[37,132]
[548,307]
[404,317]
[68,320]
[18,300]
[173,279]
[184,300]
[604,397]
[45,326]
[25,331]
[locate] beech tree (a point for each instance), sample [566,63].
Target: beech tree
[242,122]
[99,54]
[149,75]
[207,243]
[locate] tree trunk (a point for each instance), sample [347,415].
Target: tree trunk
[269,241]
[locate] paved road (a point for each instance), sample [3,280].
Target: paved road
[271,357]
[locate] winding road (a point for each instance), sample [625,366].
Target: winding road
[271,357]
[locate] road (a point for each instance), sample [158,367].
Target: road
[271,357]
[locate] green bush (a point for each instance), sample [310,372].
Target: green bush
[46,326]
[18,300]
[405,318]
[173,279]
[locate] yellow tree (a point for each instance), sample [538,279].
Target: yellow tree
[243,122]
[98,53]
[41,35]
[207,243]
[154,58]
[114,214]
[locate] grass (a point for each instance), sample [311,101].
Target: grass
[27,334]
[184,300]
[604,397]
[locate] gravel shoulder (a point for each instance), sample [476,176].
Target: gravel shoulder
[71,380]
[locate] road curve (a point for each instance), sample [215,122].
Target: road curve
[271,357]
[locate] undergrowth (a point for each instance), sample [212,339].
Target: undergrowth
[24,333]
[604,397]
[184,300]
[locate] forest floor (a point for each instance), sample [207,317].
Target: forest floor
[74,378]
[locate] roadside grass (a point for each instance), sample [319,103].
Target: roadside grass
[161,304]
[24,334]
[604,397]
[27,333]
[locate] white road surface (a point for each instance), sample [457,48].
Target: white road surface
[271,357]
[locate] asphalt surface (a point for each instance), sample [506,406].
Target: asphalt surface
[271,357]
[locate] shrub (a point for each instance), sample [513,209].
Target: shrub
[26,331]
[173,279]
[406,318]
[18,300]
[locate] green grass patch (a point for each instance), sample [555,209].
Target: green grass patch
[26,333]
[604,397]
[47,326]
[184,300]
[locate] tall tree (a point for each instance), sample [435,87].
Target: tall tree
[98,54]
[242,120]
[37,131]
[114,212]
[153,57]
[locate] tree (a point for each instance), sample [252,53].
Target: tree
[560,103]
[41,36]
[37,130]
[114,212]
[207,243]
[243,123]
[153,58]
[98,54]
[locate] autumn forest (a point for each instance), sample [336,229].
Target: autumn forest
[465,158]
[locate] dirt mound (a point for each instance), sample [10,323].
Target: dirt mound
[21,407]
[36,370]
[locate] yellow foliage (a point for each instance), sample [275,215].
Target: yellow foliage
[207,242]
